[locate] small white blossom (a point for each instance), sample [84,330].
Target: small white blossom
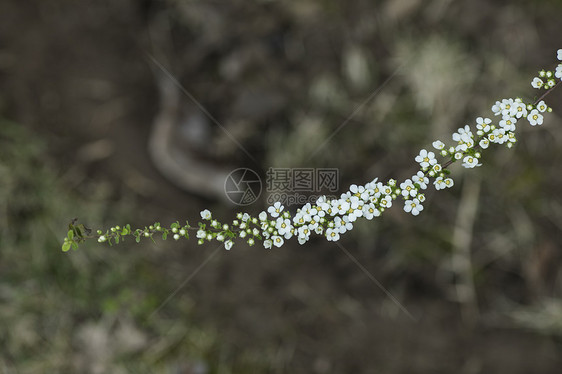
[370,211]
[558,73]
[541,106]
[267,244]
[386,202]
[421,179]
[276,209]
[470,162]
[426,159]
[283,226]
[438,144]
[332,235]
[537,83]
[535,118]
[483,124]
[228,244]
[496,108]
[102,239]
[408,189]
[277,240]
[439,183]
[559,54]
[206,214]
[507,107]
[520,108]
[508,123]
[413,206]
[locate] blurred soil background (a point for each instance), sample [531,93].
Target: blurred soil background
[478,271]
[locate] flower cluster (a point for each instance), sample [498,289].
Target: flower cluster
[333,218]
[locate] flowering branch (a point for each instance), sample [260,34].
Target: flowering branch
[334,217]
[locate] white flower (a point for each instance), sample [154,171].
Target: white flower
[483,124]
[464,136]
[332,235]
[342,225]
[340,206]
[508,123]
[267,244]
[303,234]
[497,136]
[228,244]
[520,108]
[541,106]
[102,239]
[386,202]
[356,190]
[470,162]
[484,143]
[537,83]
[421,179]
[413,206]
[370,211]
[201,234]
[275,209]
[507,107]
[439,183]
[558,73]
[496,108]
[436,169]
[283,226]
[535,118]
[559,54]
[449,182]
[408,189]
[438,144]
[426,159]
[262,216]
[206,214]
[277,240]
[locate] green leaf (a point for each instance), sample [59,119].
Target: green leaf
[164,235]
[74,245]
[70,235]
[137,239]
[116,240]
[66,246]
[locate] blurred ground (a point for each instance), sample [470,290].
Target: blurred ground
[79,96]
